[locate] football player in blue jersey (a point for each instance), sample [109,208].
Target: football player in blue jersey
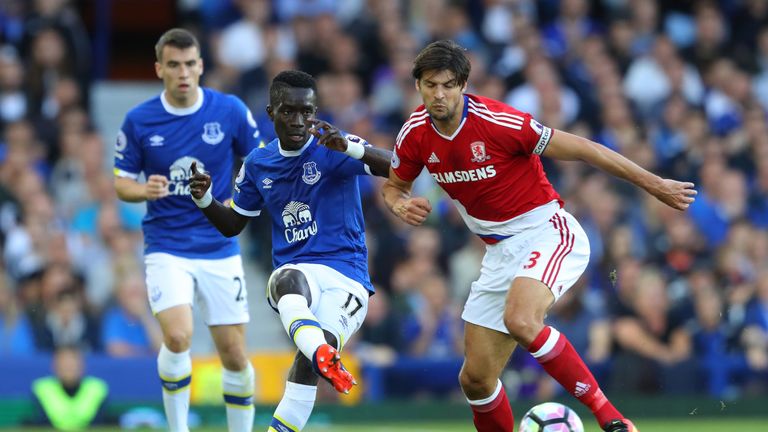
[185,256]
[306,178]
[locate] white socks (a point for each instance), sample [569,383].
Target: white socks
[294,409]
[238,397]
[175,370]
[300,323]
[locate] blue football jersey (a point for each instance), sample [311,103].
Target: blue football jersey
[157,138]
[313,198]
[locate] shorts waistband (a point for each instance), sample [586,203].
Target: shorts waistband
[492,239]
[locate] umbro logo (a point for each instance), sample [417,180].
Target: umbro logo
[156,141]
[433,158]
[267,182]
[581,389]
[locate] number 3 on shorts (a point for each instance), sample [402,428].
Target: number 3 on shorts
[532,260]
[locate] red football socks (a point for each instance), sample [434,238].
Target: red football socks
[494,415]
[561,361]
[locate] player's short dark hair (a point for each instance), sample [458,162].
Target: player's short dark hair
[290,79]
[443,55]
[177,38]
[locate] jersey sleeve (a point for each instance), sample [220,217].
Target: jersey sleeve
[247,199]
[248,135]
[406,162]
[128,152]
[535,136]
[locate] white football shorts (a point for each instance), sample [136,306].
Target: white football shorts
[339,303]
[218,286]
[556,253]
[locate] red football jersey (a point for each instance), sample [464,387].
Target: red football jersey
[490,167]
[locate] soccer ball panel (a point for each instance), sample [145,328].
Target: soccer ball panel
[551,417]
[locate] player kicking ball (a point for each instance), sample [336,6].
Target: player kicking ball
[486,156]
[306,178]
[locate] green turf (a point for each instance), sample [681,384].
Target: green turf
[693,425]
[687,425]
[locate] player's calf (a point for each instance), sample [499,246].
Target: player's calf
[326,362]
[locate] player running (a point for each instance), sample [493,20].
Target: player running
[306,178]
[486,156]
[185,256]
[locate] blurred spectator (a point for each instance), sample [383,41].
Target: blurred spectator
[543,96]
[572,25]
[755,334]
[655,346]
[721,365]
[433,329]
[65,321]
[16,336]
[13,100]
[68,399]
[647,82]
[711,34]
[128,328]
[379,340]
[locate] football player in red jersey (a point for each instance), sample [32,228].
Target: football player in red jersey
[486,156]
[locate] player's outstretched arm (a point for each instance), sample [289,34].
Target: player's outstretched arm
[227,221]
[397,195]
[130,190]
[565,146]
[328,135]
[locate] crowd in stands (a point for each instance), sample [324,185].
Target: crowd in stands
[672,302]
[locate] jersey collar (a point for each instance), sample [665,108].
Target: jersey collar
[183,111]
[461,125]
[294,153]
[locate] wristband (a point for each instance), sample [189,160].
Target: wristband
[355,150]
[205,201]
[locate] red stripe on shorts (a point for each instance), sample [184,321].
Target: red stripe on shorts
[570,240]
[556,222]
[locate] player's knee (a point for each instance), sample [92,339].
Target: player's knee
[233,357]
[476,383]
[521,327]
[288,281]
[177,340]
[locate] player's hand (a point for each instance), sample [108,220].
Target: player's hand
[328,135]
[199,183]
[678,195]
[156,187]
[413,211]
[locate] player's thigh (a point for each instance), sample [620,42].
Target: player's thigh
[339,303]
[486,353]
[487,295]
[307,271]
[177,325]
[221,290]
[558,255]
[169,282]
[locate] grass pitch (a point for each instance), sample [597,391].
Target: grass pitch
[693,424]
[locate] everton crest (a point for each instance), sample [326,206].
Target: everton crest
[311,174]
[478,152]
[212,133]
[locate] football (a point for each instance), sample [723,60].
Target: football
[551,417]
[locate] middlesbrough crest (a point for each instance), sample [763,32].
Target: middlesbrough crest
[478,152]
